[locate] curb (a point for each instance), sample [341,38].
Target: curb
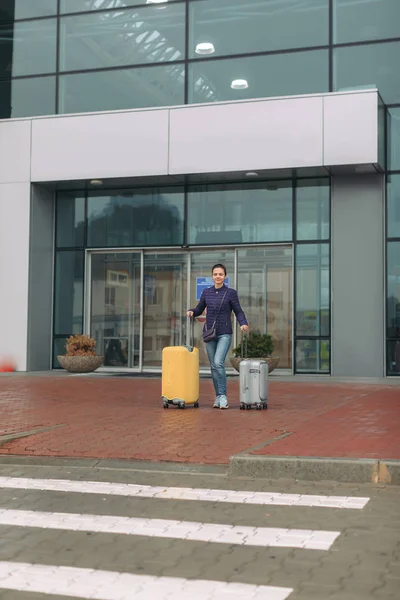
[358,470]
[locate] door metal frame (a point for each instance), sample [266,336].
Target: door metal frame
[173,250]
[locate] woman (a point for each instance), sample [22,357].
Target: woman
[220,301]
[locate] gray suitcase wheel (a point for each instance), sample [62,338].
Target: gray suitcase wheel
[248,406]
[181,405]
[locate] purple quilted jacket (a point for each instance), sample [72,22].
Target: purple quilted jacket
[211,299]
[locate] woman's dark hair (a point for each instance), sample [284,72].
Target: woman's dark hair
[219,266]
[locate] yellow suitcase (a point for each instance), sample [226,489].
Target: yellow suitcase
[180,376]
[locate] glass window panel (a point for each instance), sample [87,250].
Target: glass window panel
[393,206]
[394,138]
[11,10]
[72,6]
[68,304]
[122,89]
[28,48]
[142,217]
[274,75]
[243,26]
[70,219]
[219,214]
[368,66]
[312,356]
[28,97]
[365,20]
[58,349]
[312,290]
[127,37]
[393,290]
[312,209]
[393,357]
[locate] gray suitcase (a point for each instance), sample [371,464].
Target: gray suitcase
[253,377]
[253,381]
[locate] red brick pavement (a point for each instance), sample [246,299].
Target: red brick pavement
[111,417]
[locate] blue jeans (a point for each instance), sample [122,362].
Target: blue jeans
[217,350]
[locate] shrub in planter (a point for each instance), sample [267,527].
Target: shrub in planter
[259,345]
[80,356]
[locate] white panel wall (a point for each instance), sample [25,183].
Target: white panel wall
[15,142]
[268,134]
[125,144]
[351,129]
[14,269]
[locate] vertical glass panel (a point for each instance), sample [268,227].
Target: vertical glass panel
[58,349]
[312,290]
[265,292]
[394,138]
[27,97]
[165,297]
[11,10]
[122,89]
[393,206]
[201,265]
[393,290]
[141,217]
[368,66]
[312,356]
[68,305]
[224,27]
[70,219]
[28,48]
[393,357]
[259,76]
[219,214]
[365,20]
[312,209]
[124,37]
[115,308]
[72,6]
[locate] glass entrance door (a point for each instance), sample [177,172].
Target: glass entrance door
[115,307]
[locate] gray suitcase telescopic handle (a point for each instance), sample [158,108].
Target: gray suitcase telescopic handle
[243,345]
[191,330]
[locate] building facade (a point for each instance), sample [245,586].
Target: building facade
[142,142]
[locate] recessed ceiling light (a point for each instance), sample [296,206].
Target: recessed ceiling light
[96,182]
[205,48]
[239,84]
[251,174]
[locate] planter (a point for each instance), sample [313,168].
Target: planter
[272,362]
[80,364]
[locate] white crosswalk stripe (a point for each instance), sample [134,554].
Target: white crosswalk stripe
[177,493]
[78,582]
[181,530]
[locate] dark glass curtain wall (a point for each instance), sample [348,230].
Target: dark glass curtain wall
[209,215]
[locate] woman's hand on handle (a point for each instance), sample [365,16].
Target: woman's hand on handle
[189,314]
[244,328]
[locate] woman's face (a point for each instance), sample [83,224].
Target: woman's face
[218,276]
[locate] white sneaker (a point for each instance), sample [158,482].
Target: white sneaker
[216,403]
[223,403]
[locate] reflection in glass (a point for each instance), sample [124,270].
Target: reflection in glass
[394,138]
[115,308]
[70,219]
[365,20]
[312,209]
[201,265]
[393,206]
[393,357]
[72,6]
[312,290]
[11,10]
[274,75]
[242,26]
[68,304]
[393,290]
[58,349]
[368,66]
[124,37]
[312,356]
[28,97]
[28,48]
[265,291]
[122,89]
[136,217]
[219,214]
[165,285]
